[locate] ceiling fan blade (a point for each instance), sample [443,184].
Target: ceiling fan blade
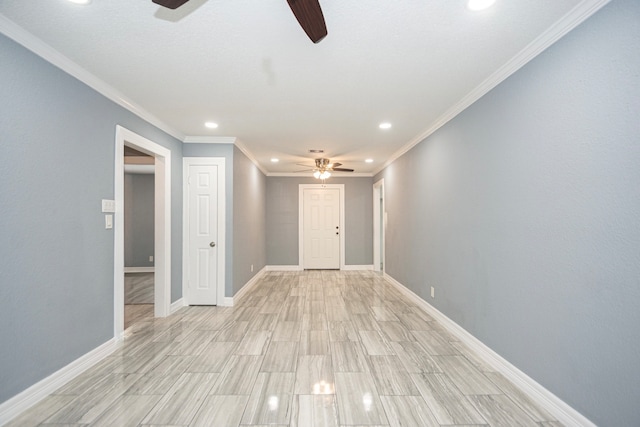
[304,170]
[342,170]
[309,15]
[336,164]
[305,165]
[171,4]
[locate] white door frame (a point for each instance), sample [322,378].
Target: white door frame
[162,225]
[222,223]
[378,212]
[301,188]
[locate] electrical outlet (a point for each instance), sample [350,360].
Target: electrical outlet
[252,268]
[151,258]
[433,292]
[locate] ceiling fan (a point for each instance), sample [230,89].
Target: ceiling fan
[307,12]
[324,167]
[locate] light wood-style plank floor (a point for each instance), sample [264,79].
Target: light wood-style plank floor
[313,348]
[138,297]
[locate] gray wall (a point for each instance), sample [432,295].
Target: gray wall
[249,247]
[524,213]
[282,219]
[56,258]
[138,219]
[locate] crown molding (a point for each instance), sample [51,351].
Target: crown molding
[225,140]
[333,174]
[51,55]
[247,153]
[568,22]
[209,140]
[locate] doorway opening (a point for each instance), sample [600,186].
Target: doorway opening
[161,228]
[379,226]
[139,189]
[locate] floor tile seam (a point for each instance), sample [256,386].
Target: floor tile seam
[469,396]
[464,397]
[522,408]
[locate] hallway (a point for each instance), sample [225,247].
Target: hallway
[312,348]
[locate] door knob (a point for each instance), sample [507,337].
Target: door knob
[212,244]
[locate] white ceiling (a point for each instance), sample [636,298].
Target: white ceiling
[247,65]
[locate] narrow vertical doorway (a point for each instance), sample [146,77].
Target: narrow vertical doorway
[139,205]
[379,226]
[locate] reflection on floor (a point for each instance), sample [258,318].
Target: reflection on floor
[138,297]
[313,348]
[133,313]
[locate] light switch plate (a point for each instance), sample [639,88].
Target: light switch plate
[108,205]
[108,222]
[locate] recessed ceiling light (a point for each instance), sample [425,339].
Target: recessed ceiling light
[385,125]
[369,161]
[80,1]
[211,125]
[274,160]
[479,4]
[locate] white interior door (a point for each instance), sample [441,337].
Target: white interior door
[203,226]
[322,228]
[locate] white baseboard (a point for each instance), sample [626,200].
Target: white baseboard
[564,413]
[358,268]
[139,269]
[229,302]
[283,268]
[177,305]
[34,394]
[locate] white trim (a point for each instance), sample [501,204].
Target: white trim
[209,140]
[51,55]
[568,22]
[564,413]
[220,162]
[283,268]
[177,305]
[34,394]
[139,270]
[226,302]
[343,230]
[246,288]
[310,175]
[162,227]
[378,243]
[354,267]
[247,153]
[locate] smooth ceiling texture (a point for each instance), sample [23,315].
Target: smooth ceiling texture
[248,66]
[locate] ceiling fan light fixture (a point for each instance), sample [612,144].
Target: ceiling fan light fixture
[321,175]
[479,4]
